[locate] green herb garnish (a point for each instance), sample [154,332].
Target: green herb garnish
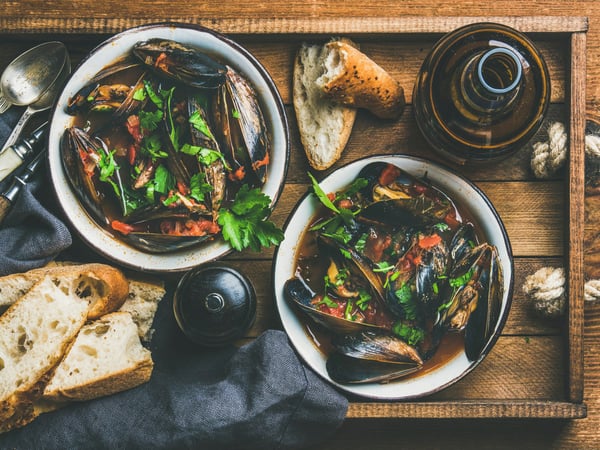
[245,223]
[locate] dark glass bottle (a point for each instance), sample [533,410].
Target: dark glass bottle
[482,93]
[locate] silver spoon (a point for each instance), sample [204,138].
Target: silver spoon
[45,101]
[30,74]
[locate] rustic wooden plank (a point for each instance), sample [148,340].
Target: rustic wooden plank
[373,136]
[576,215]
[284,25]
[514,409]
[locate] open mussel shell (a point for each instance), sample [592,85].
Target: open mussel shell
[297,292]
[376,345]
[347,370]
[180,63]
[361,264]
[484,319]
[75,142]
[162,243]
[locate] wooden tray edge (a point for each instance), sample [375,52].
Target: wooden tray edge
[305,25]
[484,409]
[576,200]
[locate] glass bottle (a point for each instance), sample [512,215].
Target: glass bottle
[481,93]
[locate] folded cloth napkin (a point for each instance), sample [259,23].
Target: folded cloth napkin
[259,396]
[31,235]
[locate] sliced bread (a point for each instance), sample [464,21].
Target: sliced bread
[324,125]
[353,79]
[142,302]
[34,334]
[106,357]
[105,287]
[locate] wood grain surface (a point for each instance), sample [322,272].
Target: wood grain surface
[530,363]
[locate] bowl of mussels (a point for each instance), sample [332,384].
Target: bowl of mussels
[168,148]
[395,277]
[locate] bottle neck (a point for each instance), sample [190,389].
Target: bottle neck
[491,81]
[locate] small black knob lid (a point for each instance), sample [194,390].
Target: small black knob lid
[214,305]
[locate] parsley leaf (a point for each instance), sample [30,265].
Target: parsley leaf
[245,223]
[154,97]
[199,187]
[462,279]
[151,146]
[200,124]
[412,335]
[404,298]
[163,180]
[327,301]
[321,195]
[149,120]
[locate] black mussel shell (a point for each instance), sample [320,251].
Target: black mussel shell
[376,345]
[180,63]
[297,292]
[347,370]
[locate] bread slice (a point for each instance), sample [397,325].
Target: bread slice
[353,79]
[34,334]
[106,357]
[324,125]
[105,287]
[142,302]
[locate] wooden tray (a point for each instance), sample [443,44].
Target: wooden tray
[536,368]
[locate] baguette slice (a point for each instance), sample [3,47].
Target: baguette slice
[106,357]
[353,79]
[324,125]
[105,287]
[142,303]
[34,334]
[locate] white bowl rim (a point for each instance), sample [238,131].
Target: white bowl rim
[188,258]
[307,350]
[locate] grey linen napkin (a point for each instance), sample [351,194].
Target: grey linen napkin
[259,396]
[31,235]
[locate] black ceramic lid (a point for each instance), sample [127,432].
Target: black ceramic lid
[214,305]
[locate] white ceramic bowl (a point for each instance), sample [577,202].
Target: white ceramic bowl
[222,48]
[460,190]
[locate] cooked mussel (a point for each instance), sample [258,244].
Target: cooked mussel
[376,345]
[98,95]
[202,136]
[180,63]
[299,293]
[162,243]
[241,128]
[476,300]
[371,356]
[82,155]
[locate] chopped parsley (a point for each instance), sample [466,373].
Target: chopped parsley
[462,279]
[149,120]
[199,187]
[245,223]
[411,335]
[405,299]
[200,124]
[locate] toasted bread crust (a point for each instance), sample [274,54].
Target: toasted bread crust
[325,126]
[109,287]
[364,84]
